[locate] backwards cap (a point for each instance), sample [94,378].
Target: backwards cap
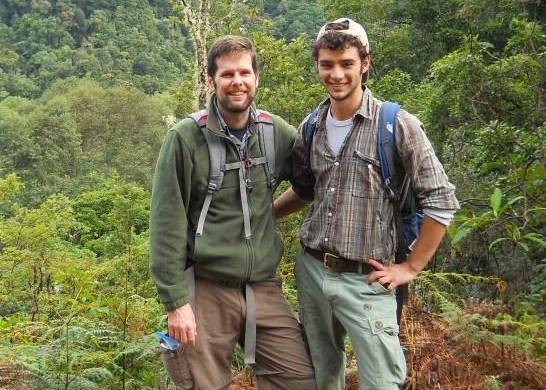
[349,27]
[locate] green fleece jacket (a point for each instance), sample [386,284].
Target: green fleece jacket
[221,253]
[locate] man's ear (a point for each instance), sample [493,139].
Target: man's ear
[210,82]
[365,65]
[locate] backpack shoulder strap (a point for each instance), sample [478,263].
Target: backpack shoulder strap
[217,162]
[386,145]
[309,132]
[267,144]
[200,118]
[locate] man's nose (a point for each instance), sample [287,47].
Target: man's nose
[337,73]
[237,79]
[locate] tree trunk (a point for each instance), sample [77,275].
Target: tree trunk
[195,15]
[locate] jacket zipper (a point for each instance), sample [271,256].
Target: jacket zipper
[248,243]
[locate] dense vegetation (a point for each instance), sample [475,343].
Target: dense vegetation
[88,89]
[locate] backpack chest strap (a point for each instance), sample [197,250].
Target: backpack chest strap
[241,166]
[243,186]
[245,163]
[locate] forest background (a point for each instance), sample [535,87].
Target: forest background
[89,88]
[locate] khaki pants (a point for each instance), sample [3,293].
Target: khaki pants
[282,361]
[334,305]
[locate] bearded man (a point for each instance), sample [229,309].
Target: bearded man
[211,212]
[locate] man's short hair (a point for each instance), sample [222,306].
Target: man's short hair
[334,40]
[230,44]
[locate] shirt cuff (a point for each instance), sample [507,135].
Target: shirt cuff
[442,216]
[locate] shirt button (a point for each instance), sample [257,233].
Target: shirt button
[329,214]
[332,189]
[326,239]
[378,325]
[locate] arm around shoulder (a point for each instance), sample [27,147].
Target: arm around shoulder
[289,202]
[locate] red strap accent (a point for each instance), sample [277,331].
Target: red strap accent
[265,117]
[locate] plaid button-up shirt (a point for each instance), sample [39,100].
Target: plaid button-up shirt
[350,214]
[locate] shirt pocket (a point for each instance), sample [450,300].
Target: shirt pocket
[365,176]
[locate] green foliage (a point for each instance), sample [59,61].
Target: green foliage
[493,383]
[78,129]
[292,18]
[510,223]
[132,42]
[445,290]
[288,83]
[103,212]
[73,321]
[10,186]
[450,292]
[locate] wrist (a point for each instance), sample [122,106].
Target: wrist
[411,268]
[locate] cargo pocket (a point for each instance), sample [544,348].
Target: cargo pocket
[177,368]
[387,349]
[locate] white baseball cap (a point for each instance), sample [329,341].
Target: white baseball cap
[349,27]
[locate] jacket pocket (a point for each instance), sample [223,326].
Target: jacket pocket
[177,368]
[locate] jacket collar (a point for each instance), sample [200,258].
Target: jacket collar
[217,124]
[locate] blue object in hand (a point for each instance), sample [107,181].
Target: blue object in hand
[167,343]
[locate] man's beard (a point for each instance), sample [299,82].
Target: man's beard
[342,97]
[226,105]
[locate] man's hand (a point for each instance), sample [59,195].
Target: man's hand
[391,275]
[394,275]
[181,325]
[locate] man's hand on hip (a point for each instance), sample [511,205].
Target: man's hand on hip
[181,324]
[391,275]
[394,275]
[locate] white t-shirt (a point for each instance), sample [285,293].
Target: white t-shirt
[337,131]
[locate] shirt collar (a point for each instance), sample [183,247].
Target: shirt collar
[365,109]
[216,120]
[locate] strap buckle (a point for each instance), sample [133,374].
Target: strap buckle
[248,163]
[388,188]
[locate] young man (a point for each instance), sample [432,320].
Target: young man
[228,233]
[344,272]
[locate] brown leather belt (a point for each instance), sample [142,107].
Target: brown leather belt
[338,264]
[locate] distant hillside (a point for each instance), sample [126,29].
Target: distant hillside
[130,42]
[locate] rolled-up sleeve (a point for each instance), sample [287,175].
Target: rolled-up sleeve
[432,186]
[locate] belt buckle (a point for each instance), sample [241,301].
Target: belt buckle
[325,258]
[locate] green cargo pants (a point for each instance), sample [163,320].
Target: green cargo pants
[333,305]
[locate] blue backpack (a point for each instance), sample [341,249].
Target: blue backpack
[408,215]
